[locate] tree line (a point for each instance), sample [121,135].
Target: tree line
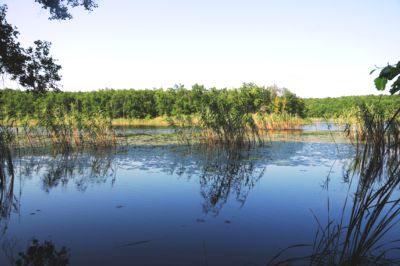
[339,106]
[149,103]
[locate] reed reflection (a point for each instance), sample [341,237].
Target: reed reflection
[226,172]
[8,200]
[82,168]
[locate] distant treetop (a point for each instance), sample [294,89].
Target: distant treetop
[33,67]
[59,8]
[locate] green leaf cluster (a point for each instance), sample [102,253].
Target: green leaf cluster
[389,73]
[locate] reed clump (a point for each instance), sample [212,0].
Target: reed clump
[371,210]
[160,121]
[63,130]
[186,128]
[372,124]
[7,132]
[283,121]
[73,130]
[222,118]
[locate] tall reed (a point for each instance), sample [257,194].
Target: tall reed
[68,130]
[222,118]
[370,213]
[283,121]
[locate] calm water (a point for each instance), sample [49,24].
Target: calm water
[172,205]
[145,130]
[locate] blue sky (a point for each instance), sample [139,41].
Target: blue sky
[314,48]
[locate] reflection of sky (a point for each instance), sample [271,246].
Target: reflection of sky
[156,198]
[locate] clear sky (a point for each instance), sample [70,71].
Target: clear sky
[315,48]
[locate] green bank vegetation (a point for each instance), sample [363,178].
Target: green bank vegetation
[213,116]
[148,103]
[225,116]
[341,107]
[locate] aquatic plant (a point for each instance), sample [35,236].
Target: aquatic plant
[283,121]
[186,128]
[7,132]
[226,119]
[68,130]
[369,214]
[223,118]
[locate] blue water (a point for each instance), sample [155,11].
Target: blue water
[172,205]
[149,130]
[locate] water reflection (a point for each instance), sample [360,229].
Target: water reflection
[220,173]
[83,168]
[8,201]
[36,253]
[228,172]
[128,193]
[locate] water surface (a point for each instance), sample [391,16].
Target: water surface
[171,205]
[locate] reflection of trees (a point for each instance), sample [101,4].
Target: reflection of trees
[36,253]
[43,254]
[227,172]
[82,168]
[222,173]
[8,201]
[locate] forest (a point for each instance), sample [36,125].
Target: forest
[152,103]
[148,103]
[340,106]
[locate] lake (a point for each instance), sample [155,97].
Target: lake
[173,204]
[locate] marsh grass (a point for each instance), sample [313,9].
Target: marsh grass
[283,121]
[161,121]
[371,211]
[65,131]
[217,131]
[186,128]
[7,132]
[222,119]
[232,129]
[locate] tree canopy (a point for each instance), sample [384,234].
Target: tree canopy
[33,67]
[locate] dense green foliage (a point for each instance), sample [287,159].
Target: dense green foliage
[226,116]
[335,107]
[389,73]
[152,103]
[149,103]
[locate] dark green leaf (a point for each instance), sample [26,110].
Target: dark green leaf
[380,83]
